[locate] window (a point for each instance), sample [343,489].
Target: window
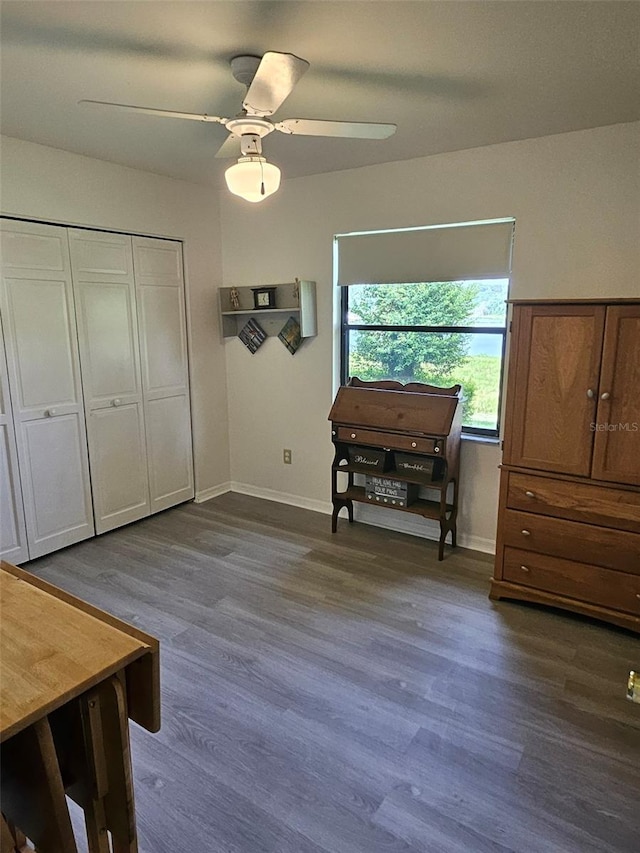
[428,305]
[441,333]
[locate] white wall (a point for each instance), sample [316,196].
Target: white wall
[576,201]
[575,198]
[56,186]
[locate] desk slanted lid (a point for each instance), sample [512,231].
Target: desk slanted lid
[394,411]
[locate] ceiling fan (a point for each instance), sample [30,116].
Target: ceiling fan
[269,79]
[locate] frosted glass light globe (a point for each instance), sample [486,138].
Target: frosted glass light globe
[252,178]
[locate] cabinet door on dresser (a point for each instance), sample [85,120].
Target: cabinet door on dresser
[553,387]
[44,378]
[616,451]
[104,290]
[165,373]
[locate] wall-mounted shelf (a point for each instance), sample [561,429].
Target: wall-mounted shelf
[302,306]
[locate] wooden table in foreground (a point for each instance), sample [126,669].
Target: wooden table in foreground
[70,677]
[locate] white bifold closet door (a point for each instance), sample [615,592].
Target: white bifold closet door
[102,271]
[13,533]
[44,378]
[165,375]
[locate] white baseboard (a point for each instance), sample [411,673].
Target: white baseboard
[376,516]
[282,497]
[213,492]
[416,526]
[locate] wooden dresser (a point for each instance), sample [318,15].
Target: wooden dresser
[413,432]
[569,515]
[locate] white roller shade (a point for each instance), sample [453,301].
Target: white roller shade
[441,253]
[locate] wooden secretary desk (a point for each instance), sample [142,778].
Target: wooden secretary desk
[410,434]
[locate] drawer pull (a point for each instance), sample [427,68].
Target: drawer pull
[530,494]
[436,449]
[413,444]
[590,393]
[605,396]
[526,532]
[637,594]
[525,568]
[49,413]
[353,435]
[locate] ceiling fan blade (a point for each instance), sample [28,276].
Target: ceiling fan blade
[273,82]
[347,129]
[229,148]
[152,111]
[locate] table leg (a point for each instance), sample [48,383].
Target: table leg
[119,808]
[7,841]
[32,790]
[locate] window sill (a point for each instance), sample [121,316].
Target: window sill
[481,439]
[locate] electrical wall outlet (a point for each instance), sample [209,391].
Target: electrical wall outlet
[286,457]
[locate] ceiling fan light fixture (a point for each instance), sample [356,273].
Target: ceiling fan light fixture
[252,178]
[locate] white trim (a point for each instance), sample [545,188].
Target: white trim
[282,497]
[415,526]
[213,492]
[375,516]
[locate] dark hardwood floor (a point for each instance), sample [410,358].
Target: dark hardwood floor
[350,694]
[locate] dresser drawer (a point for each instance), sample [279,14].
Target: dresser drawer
[585,582]
[394,442]
[585,543]
[617,508]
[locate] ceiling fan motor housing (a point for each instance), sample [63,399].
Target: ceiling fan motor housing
[250,143]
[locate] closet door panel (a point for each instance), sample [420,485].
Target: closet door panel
[55,459]
[28,246]
[13,542]
[165,373]
[43,343]
[164,340]
[13,534]
[44,377]
[108,344]
[118,465]
[109,353]
[170,468]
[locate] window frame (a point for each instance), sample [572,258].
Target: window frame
[346,327]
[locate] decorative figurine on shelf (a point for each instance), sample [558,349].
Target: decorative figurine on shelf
[234,297]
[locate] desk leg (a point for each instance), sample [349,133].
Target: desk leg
[32,790]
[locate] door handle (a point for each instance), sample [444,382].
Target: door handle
[605,396]
[590,393]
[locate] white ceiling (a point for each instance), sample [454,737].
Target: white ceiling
[451,75]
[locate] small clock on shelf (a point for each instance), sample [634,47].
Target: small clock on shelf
[264,297]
